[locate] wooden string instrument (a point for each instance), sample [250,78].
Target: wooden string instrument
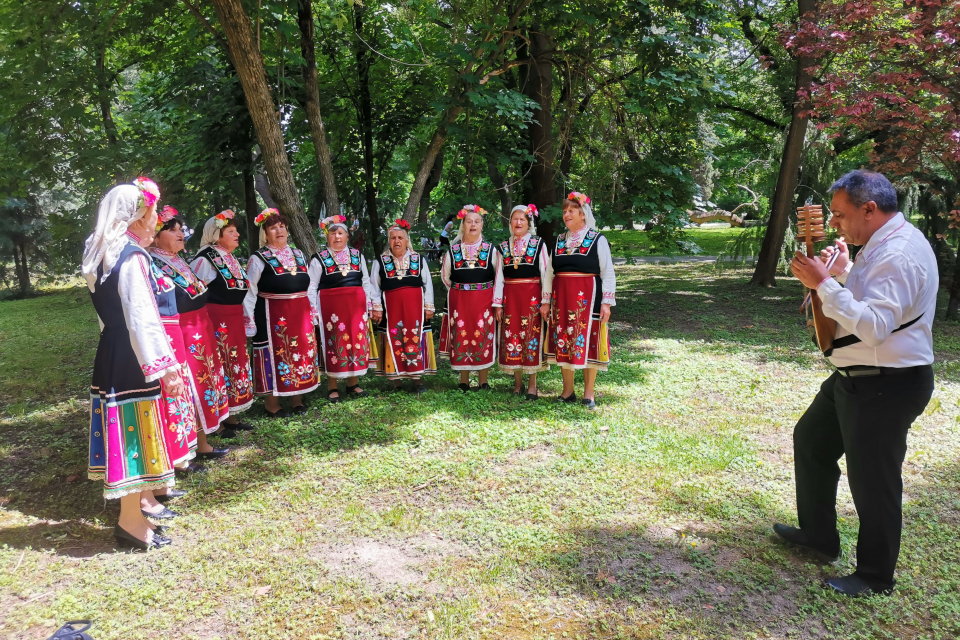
[810,229]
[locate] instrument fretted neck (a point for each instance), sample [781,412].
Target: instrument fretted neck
[810,229]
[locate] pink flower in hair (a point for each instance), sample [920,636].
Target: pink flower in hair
[149,192]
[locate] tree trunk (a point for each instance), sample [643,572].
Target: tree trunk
[311,106]
[432,181]
[953,305]
[539,88]
[783,196]
[21,266]
[250,208]
[428,160]
[263,113]
[366,127]
[503,189]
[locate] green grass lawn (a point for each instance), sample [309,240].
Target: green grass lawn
[712,240]
[482,515]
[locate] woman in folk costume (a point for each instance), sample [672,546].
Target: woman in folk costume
[199,339]
[279,318]
[526,301]
[473,274]
[340,294]
[134,364]
[226,282]
[584,290]
[402,292]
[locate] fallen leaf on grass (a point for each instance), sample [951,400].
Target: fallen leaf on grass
[263,590]
[73,478]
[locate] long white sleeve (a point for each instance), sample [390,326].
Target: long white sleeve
[376,294]
[255,268]
[546,275]
[445,270]
[204,270]
[367,289]
[427,285]
[608,279]
[315,270]
[498,278]
[147,336]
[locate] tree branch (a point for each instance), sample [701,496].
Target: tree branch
[209,27]
[750,114]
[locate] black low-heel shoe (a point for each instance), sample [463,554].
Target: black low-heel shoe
[589,403]
[166,514]
[570,399]
[484,387]
[159,530]
[227,433]
[353,393]
[533,396]
[213,455]
[279,413]
[238,426]
[299,410]
[331,399]
[124,539]
[169,495]
[464,386]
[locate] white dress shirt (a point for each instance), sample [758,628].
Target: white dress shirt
[893,280]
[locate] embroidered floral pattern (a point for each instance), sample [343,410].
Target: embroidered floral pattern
[406,344]
[409,265]
[239,378]
[229,268]
[464,258]
[346,350]
[285,260]
[158,365]
[471,344]
[347,260]
[570,335]
[183,277]
[209,376]
[521,337]
[293,366]
[570,244]
[515,254]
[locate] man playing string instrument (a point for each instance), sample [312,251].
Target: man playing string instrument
[884,303]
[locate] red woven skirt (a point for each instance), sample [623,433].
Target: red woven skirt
[522,331]
[344,332]
[576,338]
[406,347]
[467,335]
[205,368]
[231,338]
[288,366]
[177,413]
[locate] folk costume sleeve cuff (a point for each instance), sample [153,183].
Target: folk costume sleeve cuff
[254,270]
[316,271]
[427,286]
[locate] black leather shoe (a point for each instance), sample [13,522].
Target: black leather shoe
[856,587]
[169,495]
[159,530]
[279,413]
[484,387]
[518,393]
[213,455]
[193,467]
[570,399]
[464,386]
[227,433]
[533,396]
[799,537]
[589,403]
[299,410]
[353,393]
[124,539]
[238,426]
[166,514]
[331,398]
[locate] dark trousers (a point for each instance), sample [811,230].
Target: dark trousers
[866,419]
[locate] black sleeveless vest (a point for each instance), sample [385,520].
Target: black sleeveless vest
[481,272]
[276,278]
[190,297]
[331,276]
[582,259]
[390,278]
[164,292]
[227,287]
[525,266]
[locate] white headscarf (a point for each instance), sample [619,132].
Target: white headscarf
[523,207]
[211,233]
[591,222]
[118,210]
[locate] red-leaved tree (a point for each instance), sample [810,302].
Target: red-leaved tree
[891,71]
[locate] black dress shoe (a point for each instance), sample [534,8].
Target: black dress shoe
[193,467]
[856,587]
[165,514]
[570,399]
[170,495]
[589,403]
[159,530]
[331,398]
[279,413]
[484,387]
[226,433]
[518,393]
[800,538]
[464,386]
[238,426]
[533,396]
[213,455]
[299,410]
[124,539]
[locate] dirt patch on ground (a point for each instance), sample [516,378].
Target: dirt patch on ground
[394,562]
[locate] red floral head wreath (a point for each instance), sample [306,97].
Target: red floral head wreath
[332,221]
[471,208]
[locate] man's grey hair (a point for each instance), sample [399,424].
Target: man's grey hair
[862,186]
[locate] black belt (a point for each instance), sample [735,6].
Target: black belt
[858,371]
[846,341]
